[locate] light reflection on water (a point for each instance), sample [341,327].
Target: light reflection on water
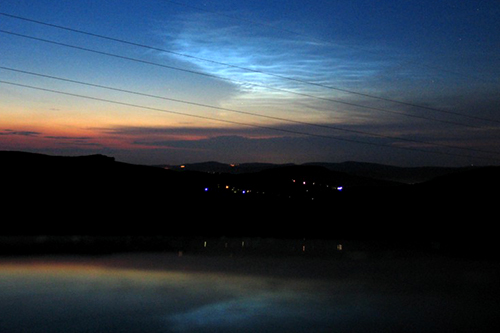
[165,293]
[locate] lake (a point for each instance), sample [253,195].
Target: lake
[169,292]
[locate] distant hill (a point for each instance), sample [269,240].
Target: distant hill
[473,179]
[98,195]
[408,175]
[216,167]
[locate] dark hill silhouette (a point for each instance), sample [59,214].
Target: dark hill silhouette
[308,182]
[91,194]
[471,191]
[320,174]
[216,167]
[98,195]
[484,179]
[407,175]
[83,177]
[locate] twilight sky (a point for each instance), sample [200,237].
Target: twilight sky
[406,83]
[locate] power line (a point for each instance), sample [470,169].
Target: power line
[172,112]
[239,82]
[241,68]
[240,111]
[231,122]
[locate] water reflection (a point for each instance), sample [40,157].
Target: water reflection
[167,293]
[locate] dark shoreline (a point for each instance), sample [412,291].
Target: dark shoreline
[42,245]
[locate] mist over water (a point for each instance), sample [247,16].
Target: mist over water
[168,293]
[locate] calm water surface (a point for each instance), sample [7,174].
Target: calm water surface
[168,293]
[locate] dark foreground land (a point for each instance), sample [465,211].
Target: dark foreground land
[97,196]
[89,244]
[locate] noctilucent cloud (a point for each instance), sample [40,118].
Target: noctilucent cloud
[404,83]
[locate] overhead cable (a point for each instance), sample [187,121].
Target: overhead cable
[326,126]
[234,122]
[405,114]
[239,67]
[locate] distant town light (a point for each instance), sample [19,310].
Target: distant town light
[183,166]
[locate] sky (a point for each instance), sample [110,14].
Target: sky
[405,83]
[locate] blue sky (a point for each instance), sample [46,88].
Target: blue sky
[395,82]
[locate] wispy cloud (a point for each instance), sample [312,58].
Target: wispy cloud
[19,133]
[72,140]
[189,133]
[290,75]
[264,52]
[75,140]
